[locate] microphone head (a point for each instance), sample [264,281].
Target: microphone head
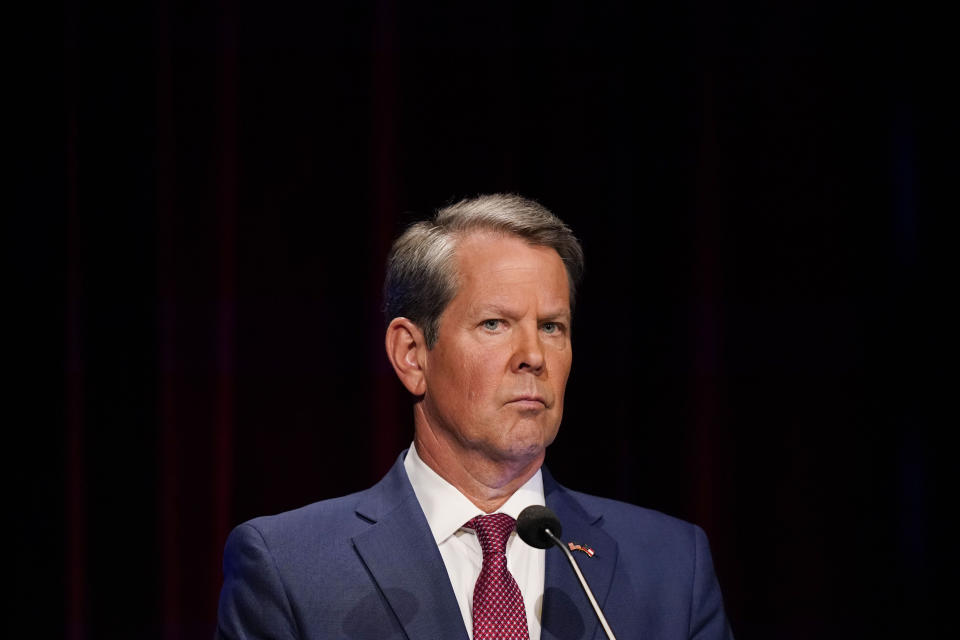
[531,525]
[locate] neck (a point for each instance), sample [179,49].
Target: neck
[485,482]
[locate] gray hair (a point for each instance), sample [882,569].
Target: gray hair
[421,275]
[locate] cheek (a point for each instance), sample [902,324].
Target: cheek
[479,378]
[561,368]
[462,378]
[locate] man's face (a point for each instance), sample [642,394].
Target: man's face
[496,376]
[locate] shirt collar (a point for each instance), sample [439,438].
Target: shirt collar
[447,509]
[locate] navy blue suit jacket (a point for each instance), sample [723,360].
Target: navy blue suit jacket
[366,566]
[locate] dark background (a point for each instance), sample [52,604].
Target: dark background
[207,191]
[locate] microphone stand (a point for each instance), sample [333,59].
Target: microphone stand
[583,583]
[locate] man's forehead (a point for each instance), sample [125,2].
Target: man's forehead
[488,251]
[497,272]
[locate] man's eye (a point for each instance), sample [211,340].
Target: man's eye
[491,325]
[551,327]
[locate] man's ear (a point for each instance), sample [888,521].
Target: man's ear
[406,349]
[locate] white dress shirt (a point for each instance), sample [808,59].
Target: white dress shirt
[447,510]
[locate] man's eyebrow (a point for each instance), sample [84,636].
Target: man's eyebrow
[495,309]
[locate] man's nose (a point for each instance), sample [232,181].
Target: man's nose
[528,351]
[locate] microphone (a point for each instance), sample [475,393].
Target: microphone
[539,527]
[534,522]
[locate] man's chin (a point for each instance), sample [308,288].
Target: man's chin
[518,451]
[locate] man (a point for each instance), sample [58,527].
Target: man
[480,302]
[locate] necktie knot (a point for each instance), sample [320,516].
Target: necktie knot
[493,531]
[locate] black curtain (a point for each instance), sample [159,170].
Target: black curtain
[207,192]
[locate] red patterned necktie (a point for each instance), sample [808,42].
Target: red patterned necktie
[498,612]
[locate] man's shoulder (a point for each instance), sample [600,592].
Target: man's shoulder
[625,511]
[642,525]
[323,517]
[663,565]
[335,519]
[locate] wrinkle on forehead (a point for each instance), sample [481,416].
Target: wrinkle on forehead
[503,264]
[492,275]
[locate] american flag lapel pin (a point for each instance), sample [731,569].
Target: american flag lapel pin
[581,547]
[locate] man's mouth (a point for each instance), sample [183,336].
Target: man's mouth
[528,401]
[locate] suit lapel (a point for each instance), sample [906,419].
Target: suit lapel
[400,553]
[567,613]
